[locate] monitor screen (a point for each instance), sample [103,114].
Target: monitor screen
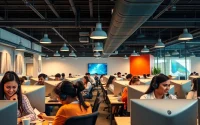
[164,112]
[99,68]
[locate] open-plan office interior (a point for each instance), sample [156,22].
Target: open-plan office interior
[63,42]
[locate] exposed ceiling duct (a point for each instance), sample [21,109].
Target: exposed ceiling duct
[128,16]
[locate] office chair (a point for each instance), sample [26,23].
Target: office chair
[96,103]
[89,119]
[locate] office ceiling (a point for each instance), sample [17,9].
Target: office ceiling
[67,18]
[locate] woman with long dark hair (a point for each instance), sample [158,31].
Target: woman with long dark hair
[72,101]
[10,89]
[110,82]
[158,89]
[88,86]
[193,93]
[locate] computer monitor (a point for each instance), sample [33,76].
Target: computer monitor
[136,91]
[8,112]
[36,96]
[163,112]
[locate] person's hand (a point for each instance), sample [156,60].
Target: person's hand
[14,97]
[19,120]
[42,115]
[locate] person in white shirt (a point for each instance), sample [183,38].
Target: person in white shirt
[88,87]
[193,93]
[158,89]
[109,84]
[91,79]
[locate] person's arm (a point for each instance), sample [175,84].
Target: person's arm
[28,110]
[190,95]
[45,117]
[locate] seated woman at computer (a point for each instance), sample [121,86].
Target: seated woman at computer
[88,87]
[158,89]
[134,81]
[128,77]
[193,93]
[41,79]
[110,85]
[72,102]
[10,89]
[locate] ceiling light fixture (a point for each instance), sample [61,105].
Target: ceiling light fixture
[159,44]
[98,33]
[64,48]
[175,53]
[98,47]
[125,57]
[167,54]
[97,54]
[47,57]
[185,35]
[72,53]
[192,55]
[56,54]
[134,53]
[45,39]
[20,47]
[145,49]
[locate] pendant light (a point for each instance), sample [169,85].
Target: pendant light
[145,49]
[45,39]
[64,48]
[185,35]
[167,54]
[47,57]
[125,57]
[159,44]
[98,47]
[97,54]
[72,53]
[192,55]
[98,33]
[20,47]
[63,57]
[56,54]
[175,53]
[134,53]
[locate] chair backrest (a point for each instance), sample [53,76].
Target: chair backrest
[89,119]
[96,102]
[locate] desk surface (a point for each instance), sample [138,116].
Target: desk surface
[123,120]
[51,103]
[180,81]
[114,100]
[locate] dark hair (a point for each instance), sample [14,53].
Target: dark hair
[118,73]
[101,76]
[42,75]
[63,74]
[156,79]
[21,80]
[70,74]
[110,80]
[145,76]
[195,82]
[86,78]
[133,80]
[191,74]
[169,76]
[24,77]
[129,76]
[12,76]
[87,73]
[58,75]
[67,88]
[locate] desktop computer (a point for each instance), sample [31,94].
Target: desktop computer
[163,112]
[36,96]
[8,112]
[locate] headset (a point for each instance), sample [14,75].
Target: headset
[155,85]
[61,95]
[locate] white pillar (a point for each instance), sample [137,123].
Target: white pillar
[37,65]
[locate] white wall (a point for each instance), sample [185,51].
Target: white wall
[69,65]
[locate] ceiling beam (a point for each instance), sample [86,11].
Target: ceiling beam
[91,8]
[52,8]
[73,7]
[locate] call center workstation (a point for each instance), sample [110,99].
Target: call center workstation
[115,62]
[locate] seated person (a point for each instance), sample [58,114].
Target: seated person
[41,79]
[193,93]
[119,75]
[70,75]
[91,79]
[129,76]
[170,77]
[125,74]
[191,74]
[72,101]
[63,76]
[144,76]
[57,77]
[21,81]
[158,89]
[197,74]
[109,84]
[101,78]
[88,87]
[148,75]
[10,89]
[134,81]
[24,77]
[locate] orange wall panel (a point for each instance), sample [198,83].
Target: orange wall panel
[140,65]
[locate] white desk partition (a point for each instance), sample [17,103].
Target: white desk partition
[50,85]
[105,78]
[36,96]
[119,85]
[145,81]
[182,87]
[33,80]
[74,80]
[136,91]
[26,82]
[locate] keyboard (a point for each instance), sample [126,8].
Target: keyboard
[53,100]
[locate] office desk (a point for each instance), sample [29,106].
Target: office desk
[51,103]
[181,87]
[145,81]
[113,102]
[119,85]
[123,120]
[193,77]
[33,81]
